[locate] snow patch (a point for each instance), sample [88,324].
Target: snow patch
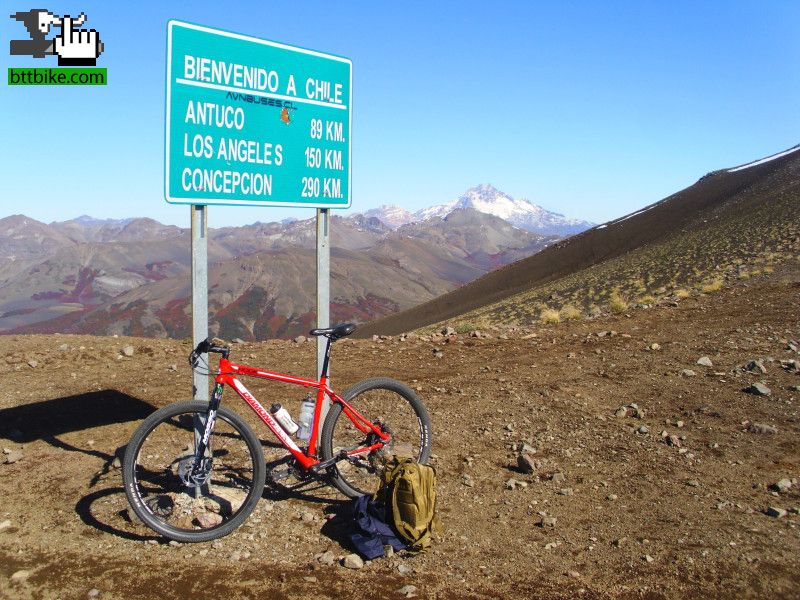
[765,160]
[391,215]
[638,212]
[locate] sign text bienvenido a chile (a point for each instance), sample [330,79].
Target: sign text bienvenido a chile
[254,122]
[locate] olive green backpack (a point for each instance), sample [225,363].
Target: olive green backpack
[409,491]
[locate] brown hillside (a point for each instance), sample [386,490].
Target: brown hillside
[768,191]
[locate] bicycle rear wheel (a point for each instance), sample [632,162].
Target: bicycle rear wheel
[199,506]
[399,411]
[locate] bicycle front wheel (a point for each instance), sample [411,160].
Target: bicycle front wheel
[176,499]
[398,409]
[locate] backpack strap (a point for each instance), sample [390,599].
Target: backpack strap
[396,516]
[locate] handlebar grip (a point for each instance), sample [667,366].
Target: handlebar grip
[202,347]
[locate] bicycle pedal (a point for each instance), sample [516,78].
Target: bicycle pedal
[326,464]
[278,474]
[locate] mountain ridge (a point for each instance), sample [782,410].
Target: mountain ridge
[116,278]
[726,217]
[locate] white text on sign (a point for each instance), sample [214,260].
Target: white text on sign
[246,77]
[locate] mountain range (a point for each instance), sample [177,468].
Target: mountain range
[480,260]
[131,276]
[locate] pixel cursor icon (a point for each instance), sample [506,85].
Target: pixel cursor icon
[73,46]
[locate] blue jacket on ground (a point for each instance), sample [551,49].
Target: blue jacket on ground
[371,530]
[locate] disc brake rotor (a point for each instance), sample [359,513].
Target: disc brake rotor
[191,477]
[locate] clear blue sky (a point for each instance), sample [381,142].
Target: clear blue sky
[592,109]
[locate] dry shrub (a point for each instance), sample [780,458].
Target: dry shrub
[646,299]
[550,316]
[682,294]
[711,286]
[569,313]
[617,303]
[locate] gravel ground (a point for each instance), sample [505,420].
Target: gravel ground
[651,476]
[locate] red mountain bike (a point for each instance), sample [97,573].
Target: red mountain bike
[194,471]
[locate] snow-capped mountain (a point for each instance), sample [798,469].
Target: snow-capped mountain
[519,212]
[391,215]
[87,221]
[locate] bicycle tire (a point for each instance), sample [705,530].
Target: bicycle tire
[230,437]
[352,475]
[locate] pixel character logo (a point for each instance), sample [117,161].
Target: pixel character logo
[73,46]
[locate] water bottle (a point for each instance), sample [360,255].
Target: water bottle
[283,417]
[306,418]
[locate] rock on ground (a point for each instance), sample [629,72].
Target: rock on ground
[20,576]
[781,486]
[759,389]
[14,456]
[409,591]
[209,519]
[761,428]
[526,463]
[353,561]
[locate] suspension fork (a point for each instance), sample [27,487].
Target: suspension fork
[202,431]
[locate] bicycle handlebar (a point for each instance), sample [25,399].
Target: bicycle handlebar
[204,347]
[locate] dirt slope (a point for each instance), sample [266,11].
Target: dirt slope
[744,211]
[697,511]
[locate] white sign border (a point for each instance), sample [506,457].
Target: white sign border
[268,203]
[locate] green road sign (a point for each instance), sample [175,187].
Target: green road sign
[253,122]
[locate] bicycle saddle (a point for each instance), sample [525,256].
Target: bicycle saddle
[335,332]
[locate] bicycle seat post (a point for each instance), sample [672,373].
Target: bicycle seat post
[327,358]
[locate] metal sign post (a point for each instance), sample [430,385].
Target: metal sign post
[199,293]
[323,287]
[199,311]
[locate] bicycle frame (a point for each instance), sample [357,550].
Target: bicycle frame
[227,375]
